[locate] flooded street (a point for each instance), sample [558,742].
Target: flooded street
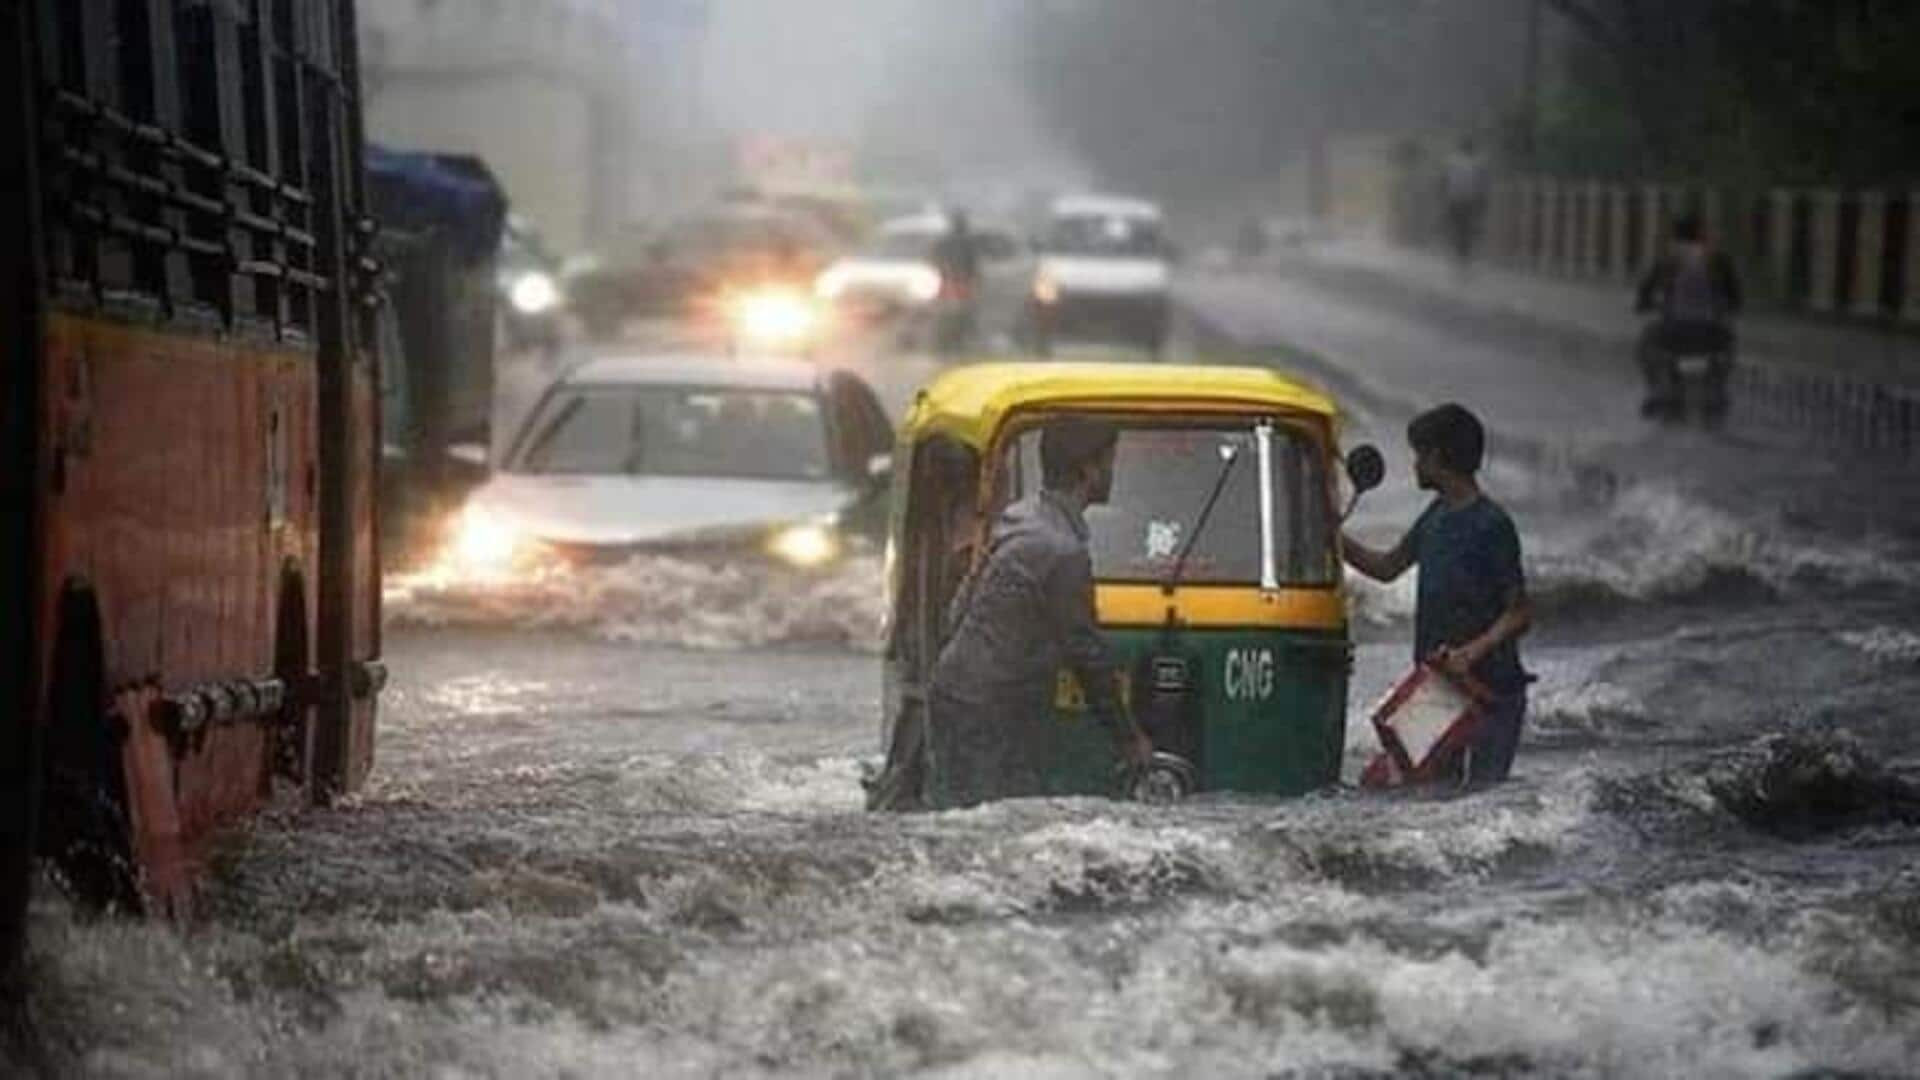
[616,829]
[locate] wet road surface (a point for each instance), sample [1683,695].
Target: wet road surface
[603,842]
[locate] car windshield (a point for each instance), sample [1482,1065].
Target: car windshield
[718,432]
[1105,234]
[1161,478]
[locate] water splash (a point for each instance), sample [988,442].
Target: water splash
[660,600]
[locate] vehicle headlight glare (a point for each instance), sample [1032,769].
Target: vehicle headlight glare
[775,317]
[534,294]
[924,285]
[805,546]
[1046,290]
[484,542]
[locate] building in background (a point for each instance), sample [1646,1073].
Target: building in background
[583,108]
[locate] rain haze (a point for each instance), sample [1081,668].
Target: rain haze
[1004,538]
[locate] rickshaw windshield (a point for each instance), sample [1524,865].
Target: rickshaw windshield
[1163,473]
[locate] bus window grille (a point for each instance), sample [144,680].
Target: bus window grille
[178,136]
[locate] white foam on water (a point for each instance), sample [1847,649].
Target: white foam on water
[658,600]
[1098,863]
[1590,707]
[740,783]
[1466,837]
[1888,644]
[724,972]
[1653,541]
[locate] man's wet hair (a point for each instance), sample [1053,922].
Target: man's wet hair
[1452,434]
[1069,442]
[1688,229]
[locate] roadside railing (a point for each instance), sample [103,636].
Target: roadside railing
[1824,251]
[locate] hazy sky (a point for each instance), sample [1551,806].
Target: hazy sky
[930,81]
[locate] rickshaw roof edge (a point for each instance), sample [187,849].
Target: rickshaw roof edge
[969,403]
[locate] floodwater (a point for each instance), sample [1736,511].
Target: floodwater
[617,830]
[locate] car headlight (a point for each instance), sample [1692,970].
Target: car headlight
[775,318]
[534,293]
[924,284]
[1046,290]
[483,542]
[805,546]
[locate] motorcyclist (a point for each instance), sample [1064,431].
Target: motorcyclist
[956,255]
[1694,291]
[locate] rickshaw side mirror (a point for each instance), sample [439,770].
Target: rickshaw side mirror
[1365,468]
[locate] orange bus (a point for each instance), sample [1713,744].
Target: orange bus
[189,587]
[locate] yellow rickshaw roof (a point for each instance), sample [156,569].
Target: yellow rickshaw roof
[970,402]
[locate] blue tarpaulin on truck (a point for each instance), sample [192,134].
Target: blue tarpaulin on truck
[455,195]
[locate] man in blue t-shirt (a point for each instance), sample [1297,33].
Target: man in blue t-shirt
[1472,606]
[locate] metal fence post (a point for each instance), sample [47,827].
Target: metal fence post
[1910,285]
[1549,225]
[1652,223]
[1619,266]
[1780,241]
[1869,253]
[1824,277]
[1591,218]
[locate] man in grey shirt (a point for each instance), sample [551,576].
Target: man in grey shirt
[1026,612]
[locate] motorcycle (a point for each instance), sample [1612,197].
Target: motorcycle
[1687,368]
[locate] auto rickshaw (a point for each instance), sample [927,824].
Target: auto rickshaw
[1216,563]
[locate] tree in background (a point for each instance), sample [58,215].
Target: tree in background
[1192,99]
[1761,91]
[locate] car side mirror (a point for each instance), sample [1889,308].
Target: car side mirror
[1365,468]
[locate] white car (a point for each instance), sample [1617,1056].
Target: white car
[894,272]
[1104,273]
[704,456]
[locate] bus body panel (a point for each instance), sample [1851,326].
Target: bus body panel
[186,302]
[180,495]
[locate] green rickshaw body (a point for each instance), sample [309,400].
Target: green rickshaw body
[1237,663]
[1272,708]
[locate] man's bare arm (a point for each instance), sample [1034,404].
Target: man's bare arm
[1382,566]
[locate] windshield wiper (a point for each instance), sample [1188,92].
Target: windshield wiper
[1232,455]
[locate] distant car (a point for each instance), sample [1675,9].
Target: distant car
[892,273]
[1103,273]
[705,456]
[670,271]
[895,274]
